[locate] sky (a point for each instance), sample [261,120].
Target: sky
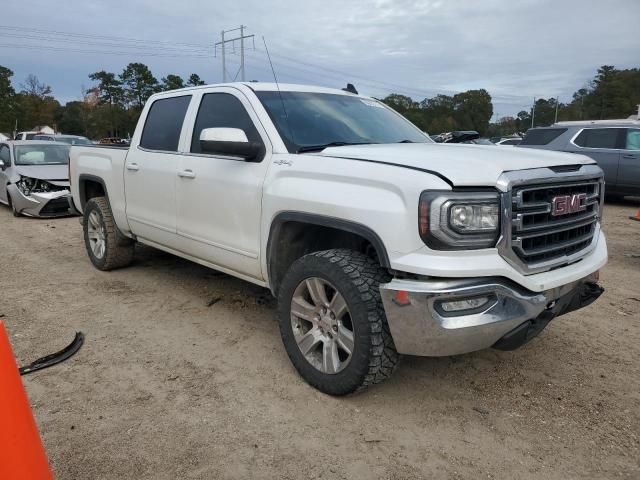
[516,50]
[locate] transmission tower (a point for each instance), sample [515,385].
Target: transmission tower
[223,43]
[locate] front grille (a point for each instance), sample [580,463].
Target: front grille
[539,237]
[57,206]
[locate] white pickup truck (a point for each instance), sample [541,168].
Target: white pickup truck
[375,240]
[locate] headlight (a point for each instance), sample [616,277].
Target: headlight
[26,185]
[459,220]
[29,185]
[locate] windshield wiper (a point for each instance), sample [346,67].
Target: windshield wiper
[406,141]
[319,148]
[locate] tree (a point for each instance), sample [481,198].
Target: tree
[473,110]
[34,104]
[194,80]
[139,84]
[545,112]
[110,88]
[7,100]
[400,103]
[172,82]
[523,121]
[34,88]
[111,93]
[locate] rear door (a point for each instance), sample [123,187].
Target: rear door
[220,197]
[629,170]
[603,145]
[150,172]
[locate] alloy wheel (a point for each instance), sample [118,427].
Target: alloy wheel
[322,326]
[96,234]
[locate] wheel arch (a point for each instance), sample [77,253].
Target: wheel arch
[294,234]
[90,186]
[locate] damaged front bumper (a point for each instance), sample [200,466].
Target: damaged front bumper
[428,317]
[40,204]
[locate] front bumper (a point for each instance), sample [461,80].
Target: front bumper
[513,315]
[46,205]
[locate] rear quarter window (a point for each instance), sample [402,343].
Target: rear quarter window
[600,138]
[542,136]
[164,123]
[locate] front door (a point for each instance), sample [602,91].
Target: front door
[220,197]
[150,172]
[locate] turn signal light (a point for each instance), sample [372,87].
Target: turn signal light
[401,298]
[423,217]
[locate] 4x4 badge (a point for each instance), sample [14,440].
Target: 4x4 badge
[283,162]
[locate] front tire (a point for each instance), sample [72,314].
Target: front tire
[332,321]
[106,246]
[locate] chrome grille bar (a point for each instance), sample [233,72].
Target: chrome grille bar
[532,238]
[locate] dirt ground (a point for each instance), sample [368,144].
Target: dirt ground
[168,386]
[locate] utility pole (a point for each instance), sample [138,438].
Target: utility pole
[224,66]
[556,120]
[533,112]
[222,44]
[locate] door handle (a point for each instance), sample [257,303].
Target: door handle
[628,156]
[133,166]
[187,174]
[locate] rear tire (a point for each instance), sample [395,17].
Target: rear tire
[106,246]
[312,330]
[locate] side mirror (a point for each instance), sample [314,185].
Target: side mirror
[230,141]
[2,166]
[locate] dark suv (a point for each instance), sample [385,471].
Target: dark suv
[614,144]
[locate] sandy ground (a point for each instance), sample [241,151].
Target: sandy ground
[168,387]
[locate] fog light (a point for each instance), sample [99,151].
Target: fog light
[465,304]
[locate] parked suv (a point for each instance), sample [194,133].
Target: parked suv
[615,145]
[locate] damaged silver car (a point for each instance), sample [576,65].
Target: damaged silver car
[34,178]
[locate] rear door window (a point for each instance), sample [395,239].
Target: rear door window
[600,138]
[542,136]
[633,139]
[164,123]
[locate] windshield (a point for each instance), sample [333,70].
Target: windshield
[73,140]
[41,154]
[317,119]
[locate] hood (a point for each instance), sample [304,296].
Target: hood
[45,172]
[463,165]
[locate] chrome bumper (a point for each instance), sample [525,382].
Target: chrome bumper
[419,326]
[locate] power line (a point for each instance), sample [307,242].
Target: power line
[165,48]
[102,44]
[91,35]
[102,52]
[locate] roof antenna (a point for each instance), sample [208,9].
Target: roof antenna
[350,88]
[286,117]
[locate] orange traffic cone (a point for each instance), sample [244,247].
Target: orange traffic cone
[22,456]
[637,217]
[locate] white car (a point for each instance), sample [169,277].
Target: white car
[34,178]
[375,240]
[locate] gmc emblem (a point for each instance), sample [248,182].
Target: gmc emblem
[566,204]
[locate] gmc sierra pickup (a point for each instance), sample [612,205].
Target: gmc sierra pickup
[375,240]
